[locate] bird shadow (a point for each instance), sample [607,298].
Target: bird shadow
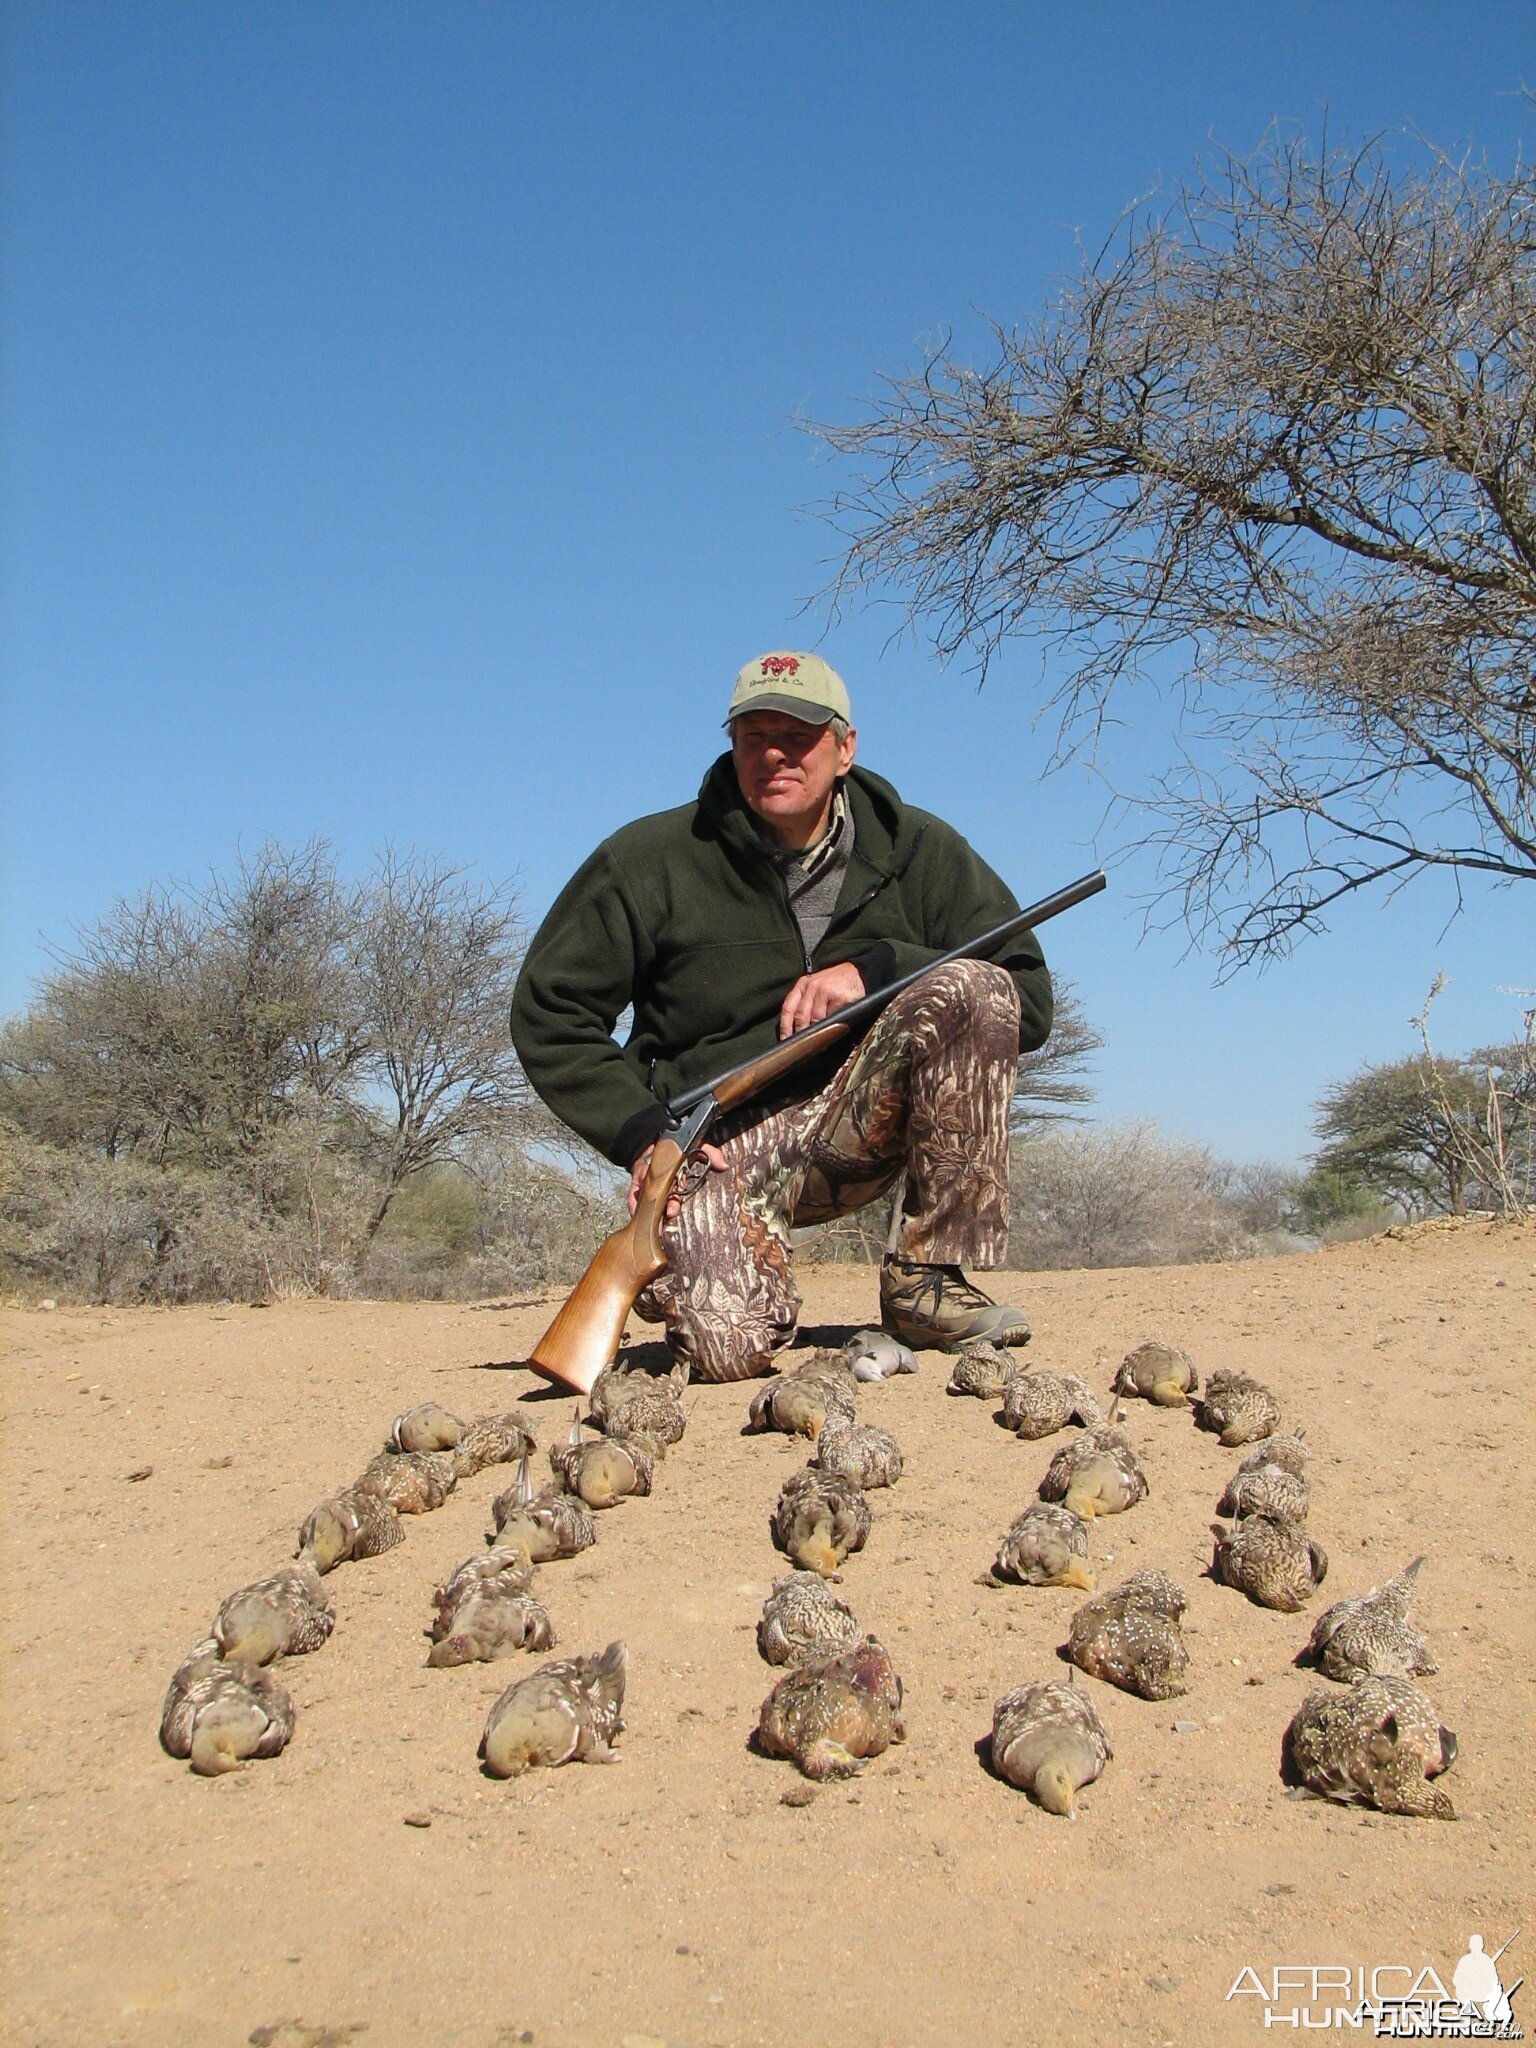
[1290,1774]
[830,1336]
[982,1750]
[651,1356]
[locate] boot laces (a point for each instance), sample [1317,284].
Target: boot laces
[954,1283]
[941,1281]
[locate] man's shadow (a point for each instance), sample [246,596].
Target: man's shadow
[653,1357]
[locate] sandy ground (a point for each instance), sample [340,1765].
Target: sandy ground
[676,1898]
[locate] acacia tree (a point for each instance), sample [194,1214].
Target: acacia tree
[1278,439]
[1392,1129]
[187,1022]
[436,957]
[275,1050]
[1418,1131]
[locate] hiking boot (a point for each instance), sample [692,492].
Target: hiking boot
[935,1308]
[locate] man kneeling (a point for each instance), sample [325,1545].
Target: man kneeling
[795,884]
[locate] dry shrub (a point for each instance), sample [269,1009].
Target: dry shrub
[856,1240]
[79,1224]
[83,1226]
[291,1219]
[1124,1195]
[1116,1195]
[508,1219]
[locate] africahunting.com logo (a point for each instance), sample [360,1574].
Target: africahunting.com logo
[1393,2001]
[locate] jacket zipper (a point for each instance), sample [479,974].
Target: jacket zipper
[789,911]
[885,877]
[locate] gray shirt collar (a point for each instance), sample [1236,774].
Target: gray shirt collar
[802,864]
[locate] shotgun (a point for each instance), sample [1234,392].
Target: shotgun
[584,1336]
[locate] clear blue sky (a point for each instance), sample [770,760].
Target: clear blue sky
[399,439]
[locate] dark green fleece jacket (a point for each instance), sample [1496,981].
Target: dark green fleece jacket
[683,917]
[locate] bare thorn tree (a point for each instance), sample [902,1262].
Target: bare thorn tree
[436,959]
[1278,441]
[1053,1083]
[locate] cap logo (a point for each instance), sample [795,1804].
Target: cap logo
[780,665]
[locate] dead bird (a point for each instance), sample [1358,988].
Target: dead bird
[1048,1740]
[1271,1559]
[1097,1473]
[1377,1744]
[483,1616]
[218,1714]
[1158,1372]
[426,1427]
[1130,1636]
[1037,1404]
[800,1402]
[858,1451]
[1288,1449]
[1047,1546]
[285,1614]
[803,1620]
[1373,1636]
[633,1404]
[413,1482]
[831,1716]
[1266,1490]
[570,1711]
[357,1522]
[1237,1408]
[602,1470]
[544,1525]
[877,1355]
[981,1369]
[509,1562]
[491,1440]
[820,1520]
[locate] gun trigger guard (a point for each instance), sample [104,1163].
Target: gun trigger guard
[691,1175]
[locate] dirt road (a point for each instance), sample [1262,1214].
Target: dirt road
[676,1898]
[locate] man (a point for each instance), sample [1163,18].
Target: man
[796,883]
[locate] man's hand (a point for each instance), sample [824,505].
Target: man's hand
[815,996]
[642,1167]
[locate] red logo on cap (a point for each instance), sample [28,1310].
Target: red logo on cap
[780,665]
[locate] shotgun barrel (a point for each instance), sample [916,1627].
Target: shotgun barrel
[726,1087]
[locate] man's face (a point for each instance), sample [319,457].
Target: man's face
[786,768]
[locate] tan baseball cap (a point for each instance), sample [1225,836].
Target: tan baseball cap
[800,685]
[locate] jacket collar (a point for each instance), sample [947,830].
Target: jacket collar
[882,828]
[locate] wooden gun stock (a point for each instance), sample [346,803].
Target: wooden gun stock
[585,1334]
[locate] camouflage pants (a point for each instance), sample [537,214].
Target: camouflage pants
[923,1099]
